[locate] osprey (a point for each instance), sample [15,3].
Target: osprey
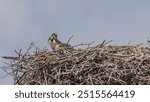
[56,44]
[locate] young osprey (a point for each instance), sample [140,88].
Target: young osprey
[56,44]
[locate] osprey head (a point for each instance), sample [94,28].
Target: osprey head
[53,37]
[53,41]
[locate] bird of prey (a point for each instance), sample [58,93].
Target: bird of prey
[57,44]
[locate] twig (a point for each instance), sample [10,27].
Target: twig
[7,74]
[69,39]
[18,53]
[84,44]
[108,42]
[10,57]
[102,44]
[129,43]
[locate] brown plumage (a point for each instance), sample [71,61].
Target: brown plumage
[56,44]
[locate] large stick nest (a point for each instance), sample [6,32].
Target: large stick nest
[99,65]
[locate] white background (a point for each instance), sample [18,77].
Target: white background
[7,92]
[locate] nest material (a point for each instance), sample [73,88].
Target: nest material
[99,65]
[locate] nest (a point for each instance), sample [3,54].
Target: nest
[99,65]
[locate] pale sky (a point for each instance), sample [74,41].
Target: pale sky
[26,21]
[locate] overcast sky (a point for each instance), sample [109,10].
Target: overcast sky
[26,21]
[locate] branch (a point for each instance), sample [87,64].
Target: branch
[103,43]
[10,57]
[7,73]
[108,42]
[84,44]
[69,39]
